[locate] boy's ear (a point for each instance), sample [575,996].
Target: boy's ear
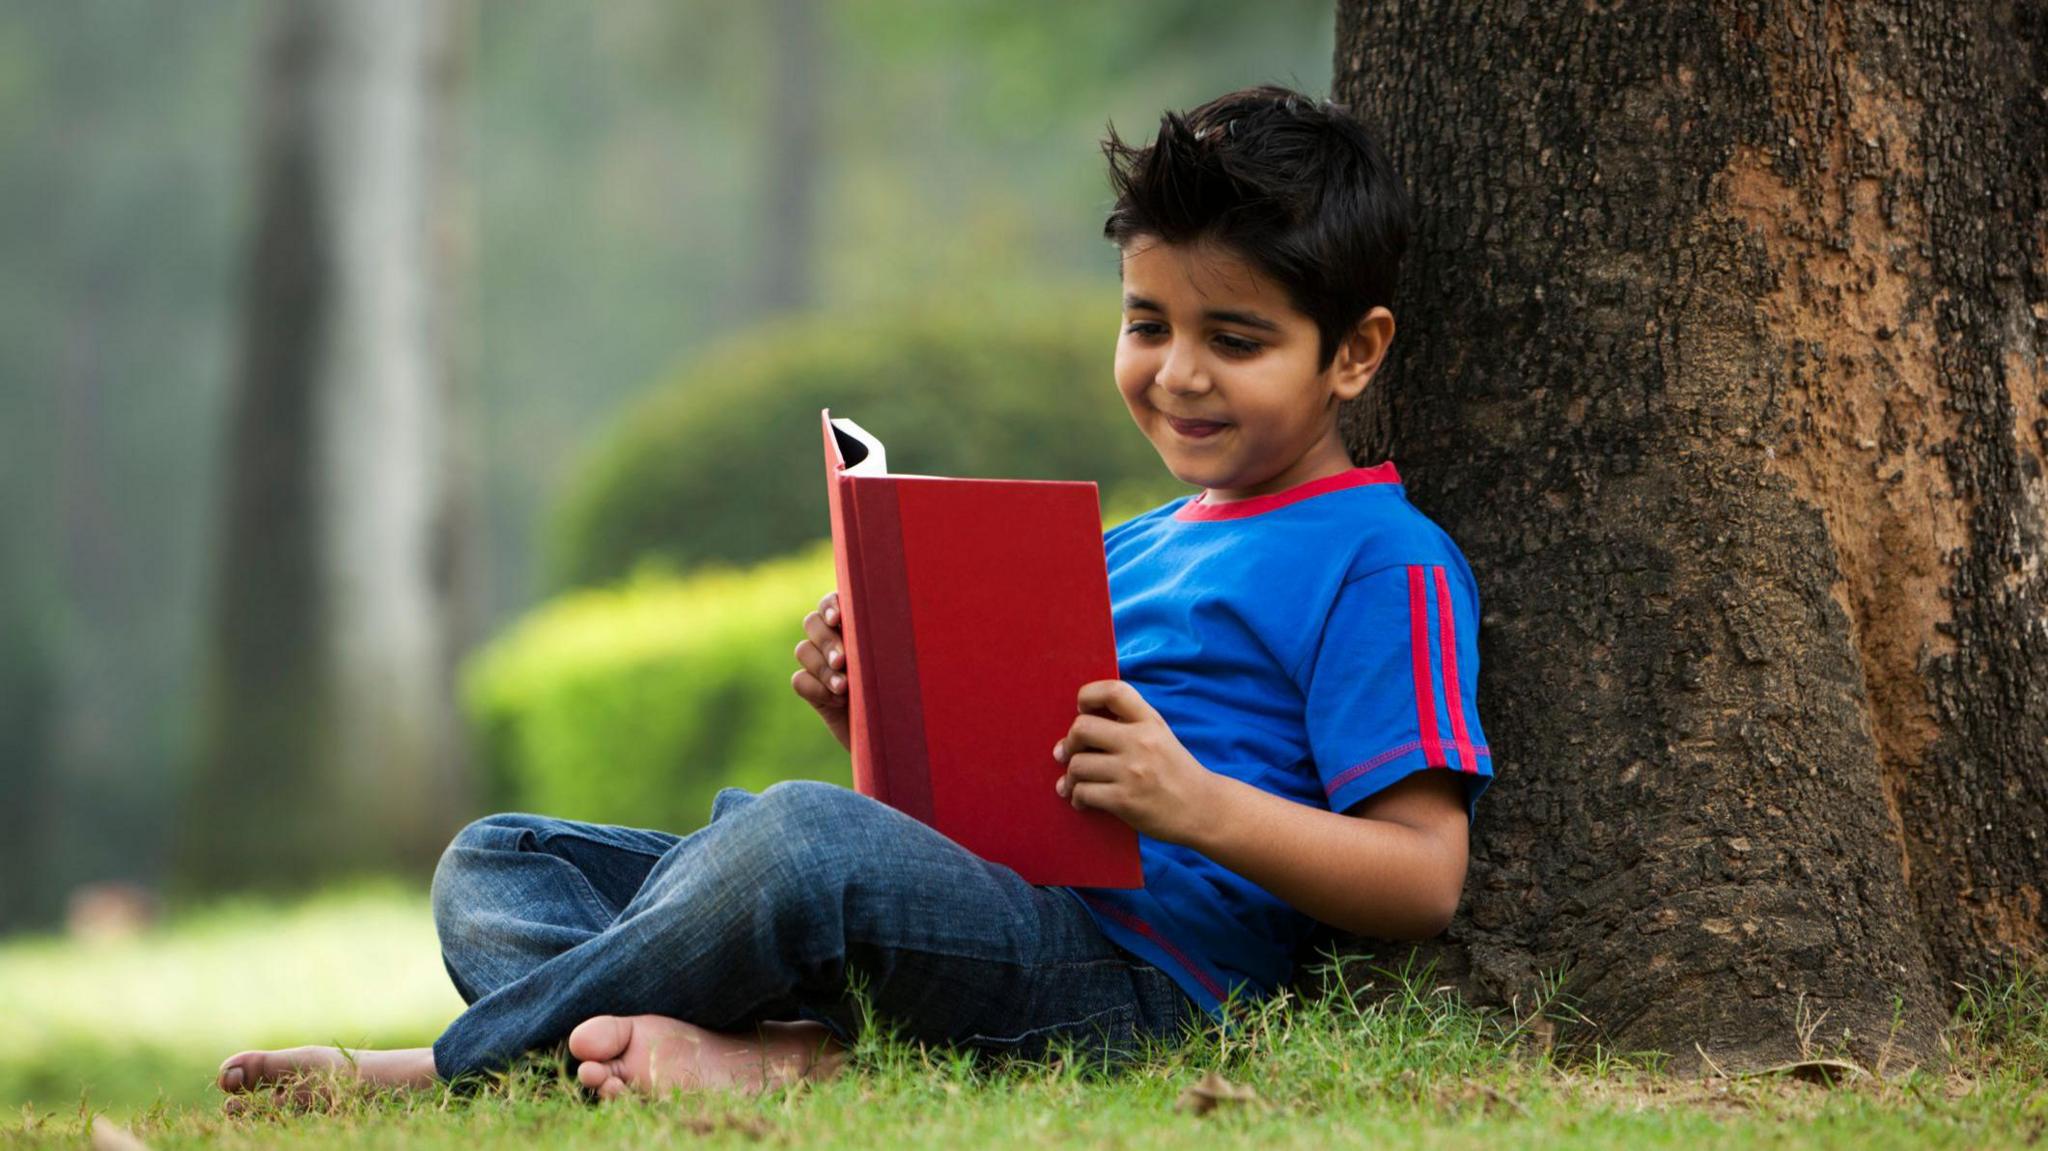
[1362,353]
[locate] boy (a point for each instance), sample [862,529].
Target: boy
[1293,735]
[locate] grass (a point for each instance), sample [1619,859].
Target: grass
[1393,1061]
[120,1021]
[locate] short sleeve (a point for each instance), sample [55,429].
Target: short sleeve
[1393,686]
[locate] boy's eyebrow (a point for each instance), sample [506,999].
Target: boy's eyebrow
[1248,319]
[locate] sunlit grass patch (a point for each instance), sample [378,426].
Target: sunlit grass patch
[123,1019]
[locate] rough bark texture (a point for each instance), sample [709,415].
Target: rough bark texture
[332,741]
[1721,355]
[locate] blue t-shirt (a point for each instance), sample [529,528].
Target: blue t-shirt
[1320,643]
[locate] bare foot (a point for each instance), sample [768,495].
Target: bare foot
[653,1053]
[300,1076]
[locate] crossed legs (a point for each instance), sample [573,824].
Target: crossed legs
[726,957]
[513,891]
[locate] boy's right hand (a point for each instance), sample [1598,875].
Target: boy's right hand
[822,679]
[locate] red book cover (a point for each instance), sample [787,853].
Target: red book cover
[973,611]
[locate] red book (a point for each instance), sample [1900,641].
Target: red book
[973,611]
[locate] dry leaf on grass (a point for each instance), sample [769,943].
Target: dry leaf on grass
[1824,1072]
[1212,1091]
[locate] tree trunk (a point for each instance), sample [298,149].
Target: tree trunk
[791,170]
[1721,355]
[27,702]
[333,737]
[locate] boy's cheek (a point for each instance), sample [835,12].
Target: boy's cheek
[1131,372]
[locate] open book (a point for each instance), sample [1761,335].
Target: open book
[973,611]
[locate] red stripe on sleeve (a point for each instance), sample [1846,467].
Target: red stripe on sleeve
[1449,641]
[1425,685]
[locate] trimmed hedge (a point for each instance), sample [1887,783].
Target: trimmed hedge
[634,704]
[724,462]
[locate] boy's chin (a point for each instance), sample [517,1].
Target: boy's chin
[1190,476]
[1193,473]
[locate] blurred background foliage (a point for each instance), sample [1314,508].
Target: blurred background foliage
[702,469]
[634,703]
[686,226]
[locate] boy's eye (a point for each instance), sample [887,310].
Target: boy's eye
[1229,344]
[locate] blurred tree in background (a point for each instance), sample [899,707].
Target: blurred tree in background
[330,739]
[649,179]
[120,208]
[628,189]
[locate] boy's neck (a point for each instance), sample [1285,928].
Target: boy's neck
[1328,458]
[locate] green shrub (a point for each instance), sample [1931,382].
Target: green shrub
[724,462]
[634,704]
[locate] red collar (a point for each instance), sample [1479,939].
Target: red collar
[1199,509]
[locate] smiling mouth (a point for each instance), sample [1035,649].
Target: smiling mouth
[1196,428]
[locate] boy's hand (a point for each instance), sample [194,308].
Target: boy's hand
[1123,758]
[822,679]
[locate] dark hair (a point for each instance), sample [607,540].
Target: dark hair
[1295,185]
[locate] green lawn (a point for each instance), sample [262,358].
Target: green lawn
[121,1020]
[135,1029]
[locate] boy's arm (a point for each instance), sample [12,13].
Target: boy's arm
[1392,868]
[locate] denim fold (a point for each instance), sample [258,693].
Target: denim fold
[776,910]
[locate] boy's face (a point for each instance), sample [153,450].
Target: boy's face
[1220,371]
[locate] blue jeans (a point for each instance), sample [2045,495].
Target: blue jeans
[764,914]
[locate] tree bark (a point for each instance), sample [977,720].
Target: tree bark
[333,736]
[1721,355]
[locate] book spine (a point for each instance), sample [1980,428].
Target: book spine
[902,767]
[859,700]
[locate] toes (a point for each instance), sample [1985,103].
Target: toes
[601,1038]
[613,1088]
[593,1075]
[240,1071]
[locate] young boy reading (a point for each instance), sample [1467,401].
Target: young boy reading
[1293,734]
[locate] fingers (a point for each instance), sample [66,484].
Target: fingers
[1089,732]
[818,670]
[818,695]
[806,685]
[830,684]
[826,637]
[1114,697]
[1093,766]
[1090,767]
[1086,795]
[1078,794]
[822,652]
[814,661]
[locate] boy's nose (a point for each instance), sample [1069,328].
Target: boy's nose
[1182,375]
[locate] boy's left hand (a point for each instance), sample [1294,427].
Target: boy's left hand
[1122,757]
